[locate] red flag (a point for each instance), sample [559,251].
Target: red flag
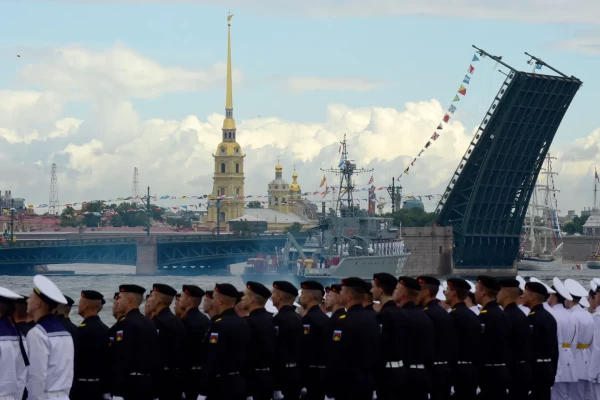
[446,118]
[471,69]
[370,180]
[435,136]
[340,149]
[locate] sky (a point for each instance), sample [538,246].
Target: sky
[102,87]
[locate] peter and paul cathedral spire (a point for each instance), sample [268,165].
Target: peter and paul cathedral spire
[228,179]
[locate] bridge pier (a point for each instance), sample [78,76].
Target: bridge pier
[147,256]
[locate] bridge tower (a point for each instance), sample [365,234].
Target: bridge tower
[53,207]
[135,188]
[228,179]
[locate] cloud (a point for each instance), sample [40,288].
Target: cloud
[117,72]
[529,11]
[586,43]
[297,84]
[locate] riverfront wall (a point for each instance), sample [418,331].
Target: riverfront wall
[431,250]
[576,249]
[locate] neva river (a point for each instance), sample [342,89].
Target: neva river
[107,278]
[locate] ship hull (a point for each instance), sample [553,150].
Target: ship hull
[593,264]
[362,267]
[535,264]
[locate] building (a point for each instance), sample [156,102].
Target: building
[592,225]
[413,203]
[227,199]
[8,202]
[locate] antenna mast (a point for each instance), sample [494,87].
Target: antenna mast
[136,184]
[345,200]
[53,203]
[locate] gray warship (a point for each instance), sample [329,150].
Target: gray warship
[349,241]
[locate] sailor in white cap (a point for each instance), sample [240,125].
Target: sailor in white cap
[585,335]
[522,283]
[595,350]
[51,354]
[470,300]
[567,333]
[12,351]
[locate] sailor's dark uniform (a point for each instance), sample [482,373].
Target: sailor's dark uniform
[317,335]
[261,355]
[544,357]
[171,342]
[196,325]
[519,367]
[93,339]
[391,375]
[468,335]
[288,354]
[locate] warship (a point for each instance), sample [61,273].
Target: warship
[348,241]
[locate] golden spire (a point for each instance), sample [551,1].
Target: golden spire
[278,167]
[229,122]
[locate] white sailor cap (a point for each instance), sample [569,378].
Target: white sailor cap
[575,288]
[9,294]
[440,294]
[522,282]
[561,289]
[444,285]
[270,307]
[472,286]
[584,302]
[548,288]
[597,282]
[47,290]
[593,285]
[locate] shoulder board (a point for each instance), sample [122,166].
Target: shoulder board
[218,319]
[426,308]
[342,316]
[531,313]
[454,309]
[483,311]
[81,325]
[122,318]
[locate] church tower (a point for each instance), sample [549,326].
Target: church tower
[228,180]
[278,191]
[295,190]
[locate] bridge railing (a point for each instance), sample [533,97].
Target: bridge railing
[22,244]
[215,238]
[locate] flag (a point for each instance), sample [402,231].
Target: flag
[475,58]
[467,79]
[538,66]
[456,98]
[325,192]
[413,162]
[427,144]
[370,180]
[322,181]
[596,175]
[435,136]
[421,152]
[446,118]
[462,90]
[440,126]
[452,109]
[340,149]
[341,161]
[406,170]
[471,69]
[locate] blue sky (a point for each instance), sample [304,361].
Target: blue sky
[407,53]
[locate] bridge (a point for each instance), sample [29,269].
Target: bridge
[488,194]
[148,253]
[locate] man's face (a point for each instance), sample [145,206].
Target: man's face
[32,303]
[331,300]
[207,304]
[246,301]
[479,293]
[121,303]
[376,291]
[82,306]
[450,295]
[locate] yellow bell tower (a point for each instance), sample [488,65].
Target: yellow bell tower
[228,180]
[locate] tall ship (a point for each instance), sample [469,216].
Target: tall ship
[542,238]
[348,241]
[593,260]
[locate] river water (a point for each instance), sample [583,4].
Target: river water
[107,278]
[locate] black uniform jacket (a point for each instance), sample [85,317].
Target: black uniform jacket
[468,333]
[196,324]
[289,332]
[495,335]
[171,339]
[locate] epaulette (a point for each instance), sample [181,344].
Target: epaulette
[342,316]
[454,309]
[122,318]
[482,311]
[218,319]
[426,308]
[81,325]
[531,313]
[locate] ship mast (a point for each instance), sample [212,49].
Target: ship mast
[346,169]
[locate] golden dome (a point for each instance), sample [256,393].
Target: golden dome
[294,187]
[228,123]
[229,149]
[278,167]
[294,175]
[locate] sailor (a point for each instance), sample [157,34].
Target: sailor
[49,345]
[148,311]
[391,373]
[355,347]
[367,303]
[419,340]
[544,334]
[567,335]
[238,308]
[63,311]
[468,334]
[549,291]
[23,322]
[13,370]
[134,348]
[93,339]
[444,352]
[317,335]
[594,298]
[225,349]
[290,332]
[171,342]
[208,305]
[522,283]
[177,308]
[261,343]
[333,303]
[584,325]
[196,325]
[518,366]
[470,300]
[495,347]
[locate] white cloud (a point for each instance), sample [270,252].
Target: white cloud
[529,11]
[585,43]
[297,84]
[82,74]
